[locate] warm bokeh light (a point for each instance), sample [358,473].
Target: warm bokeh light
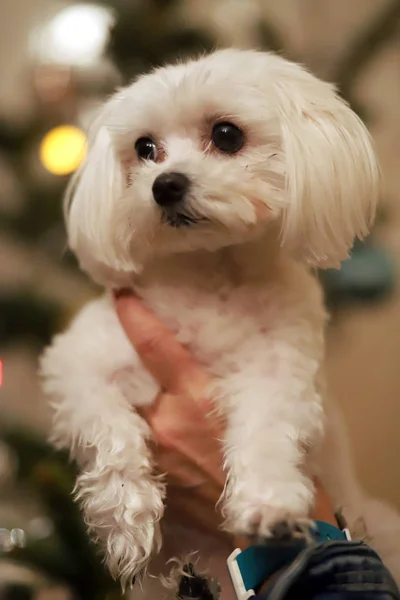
[63,149]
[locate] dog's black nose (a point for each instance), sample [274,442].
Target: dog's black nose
[170,188]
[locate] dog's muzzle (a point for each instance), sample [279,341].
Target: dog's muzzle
[169,192]
[170,189]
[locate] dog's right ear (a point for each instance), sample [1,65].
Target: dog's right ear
[92,194]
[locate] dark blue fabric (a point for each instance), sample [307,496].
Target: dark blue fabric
[333,571]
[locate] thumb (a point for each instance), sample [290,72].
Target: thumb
[167,360]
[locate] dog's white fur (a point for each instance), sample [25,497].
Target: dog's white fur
[235,287]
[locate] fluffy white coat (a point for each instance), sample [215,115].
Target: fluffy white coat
[235,287]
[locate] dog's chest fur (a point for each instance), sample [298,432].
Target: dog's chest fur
[224,306]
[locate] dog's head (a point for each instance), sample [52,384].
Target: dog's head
[214,152]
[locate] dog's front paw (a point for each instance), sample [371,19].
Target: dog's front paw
[124,513]
[279,524]
[130,548]
[281,512]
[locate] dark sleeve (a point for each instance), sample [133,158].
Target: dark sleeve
[333,571]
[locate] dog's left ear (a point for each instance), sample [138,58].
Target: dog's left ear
[332,174]
[90,201]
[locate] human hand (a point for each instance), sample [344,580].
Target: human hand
[188,447]
[188,440]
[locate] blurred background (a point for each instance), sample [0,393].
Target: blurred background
[58,61]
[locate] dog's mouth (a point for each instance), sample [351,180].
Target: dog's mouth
[180,220]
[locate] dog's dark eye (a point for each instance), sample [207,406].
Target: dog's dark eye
[227,137]
[146,149]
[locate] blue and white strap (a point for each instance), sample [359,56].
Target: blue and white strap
[250,568]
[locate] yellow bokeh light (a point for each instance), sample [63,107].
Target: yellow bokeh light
[63,149]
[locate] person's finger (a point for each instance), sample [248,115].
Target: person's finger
[169,363]
[183,428]
[183,475]
[323,510]
[202,467]
[194,511]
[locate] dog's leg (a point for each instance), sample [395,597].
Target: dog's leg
[90,372]
[121,501]
[272,418]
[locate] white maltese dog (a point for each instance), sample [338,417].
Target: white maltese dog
[211,188]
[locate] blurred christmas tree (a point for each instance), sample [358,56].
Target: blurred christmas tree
[42,529]
[37,155]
